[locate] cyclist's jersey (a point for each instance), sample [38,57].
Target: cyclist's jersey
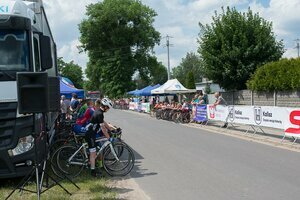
[81,111]
[86,118]
[97,119]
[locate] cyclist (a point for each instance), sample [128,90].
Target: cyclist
[82,121]
[96,123]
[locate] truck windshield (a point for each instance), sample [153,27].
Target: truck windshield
[14,50]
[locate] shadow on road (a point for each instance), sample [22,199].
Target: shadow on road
[138,171]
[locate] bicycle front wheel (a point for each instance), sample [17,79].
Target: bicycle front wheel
[118,159]
[70,162]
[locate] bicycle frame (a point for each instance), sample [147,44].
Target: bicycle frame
[84,146]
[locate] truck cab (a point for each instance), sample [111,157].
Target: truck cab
[26,45]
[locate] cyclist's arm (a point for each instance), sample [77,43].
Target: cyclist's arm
[109,126]
[104,130]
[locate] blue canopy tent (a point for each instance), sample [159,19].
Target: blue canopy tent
[67,89]
[147,90]
[132,92]
[141,91]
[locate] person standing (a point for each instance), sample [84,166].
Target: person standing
[96,124]
[64,108]
[221,101]
[74,103]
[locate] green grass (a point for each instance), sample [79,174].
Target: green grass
[90,188]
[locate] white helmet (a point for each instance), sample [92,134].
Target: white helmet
[106,102]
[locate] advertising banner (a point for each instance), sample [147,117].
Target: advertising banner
[292,122]
[201,113]
[146,107]
[270,116]
[265,116]
[139,107]
[132,105]
[218,112]
[240,114]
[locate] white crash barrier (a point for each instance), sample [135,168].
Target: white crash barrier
[145,107]
[284,118]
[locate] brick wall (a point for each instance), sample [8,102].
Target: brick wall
[247,97]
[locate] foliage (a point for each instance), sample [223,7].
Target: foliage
[191,62]
[190,80]
[119,37]
[159,74]
[234,45]
[154,74]
[60,64]
[278,76]
[90,86]
[71,71]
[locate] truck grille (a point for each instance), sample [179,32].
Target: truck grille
[7,122]
[8,111]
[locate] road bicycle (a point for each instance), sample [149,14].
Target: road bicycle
[117,158]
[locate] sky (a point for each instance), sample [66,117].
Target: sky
[177,18]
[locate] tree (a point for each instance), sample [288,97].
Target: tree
[191,62]
[90,86]
[159,74]
[190,80]
[279,76]
[71,71]
[60,64]
[156,74]
[235,45]
[119,37]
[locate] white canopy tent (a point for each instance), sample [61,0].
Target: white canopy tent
[172,86]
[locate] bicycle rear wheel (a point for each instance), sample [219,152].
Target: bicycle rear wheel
[69,163]
[54,165]
[120,165]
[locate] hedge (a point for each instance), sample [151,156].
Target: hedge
[276,76]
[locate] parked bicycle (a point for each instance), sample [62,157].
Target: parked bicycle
[117,158]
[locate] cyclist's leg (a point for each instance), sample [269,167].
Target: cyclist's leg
[90,137]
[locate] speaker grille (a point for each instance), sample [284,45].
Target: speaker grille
[32,92]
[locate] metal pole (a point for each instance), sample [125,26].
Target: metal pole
[298,45]
[168,45]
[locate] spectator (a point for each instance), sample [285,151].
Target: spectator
[82,108]
[221,101]
[74,103]
[204,97]
[194,102]
[85,119]
[64,108]
[201,100]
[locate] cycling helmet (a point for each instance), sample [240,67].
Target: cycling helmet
[106,102]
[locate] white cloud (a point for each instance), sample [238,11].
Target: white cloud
[285,18]
[64,17]
[70,52]
[177,18]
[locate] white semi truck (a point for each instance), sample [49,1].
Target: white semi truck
[26,45]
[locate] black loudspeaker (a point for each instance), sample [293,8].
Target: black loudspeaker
[54,94]
[32,92]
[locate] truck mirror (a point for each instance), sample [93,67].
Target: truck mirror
[46,56]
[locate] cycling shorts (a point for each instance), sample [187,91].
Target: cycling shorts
[90,138]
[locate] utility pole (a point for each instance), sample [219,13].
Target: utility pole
[298,45]
[168,46]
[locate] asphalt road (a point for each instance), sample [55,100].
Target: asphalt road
[179,162]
